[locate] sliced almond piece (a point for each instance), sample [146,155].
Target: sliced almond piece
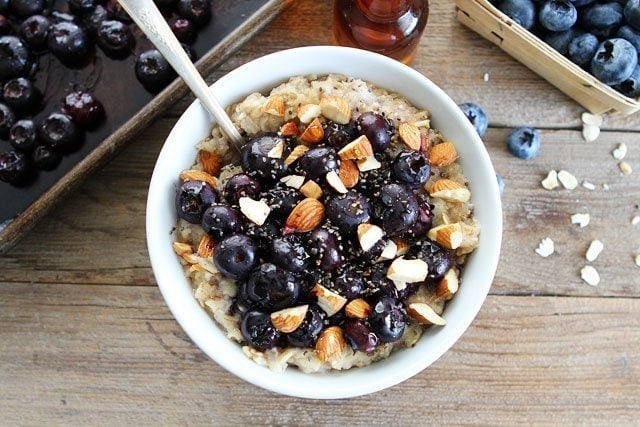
[450,190]
[197,175]
[424,314]
[182,248]
[567,180]
[307,112]
[336,109]
[311,189]
[369,235]
[276,151]
[590,275]
[330,302]
[402,247]
[289,129]
[410,135]
[448,235]
[595,247]
[443,154]
[296,153]
[307,215]
[205,247]
[357,309]
[274,106]
[313,133]
[333,179]
[390,251]
[368,164]
[211,162]
[551,181]
[330,343]
[349,173]
[408,270]
[293,181]
[448,285]
[289,319]
[358,149]
[256,211]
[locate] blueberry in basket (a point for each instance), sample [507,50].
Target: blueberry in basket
[317,242]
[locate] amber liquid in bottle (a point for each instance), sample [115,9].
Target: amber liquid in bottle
[390,27]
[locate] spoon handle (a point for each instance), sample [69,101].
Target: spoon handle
[152,23]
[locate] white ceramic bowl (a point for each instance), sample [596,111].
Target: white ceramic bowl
[262,74]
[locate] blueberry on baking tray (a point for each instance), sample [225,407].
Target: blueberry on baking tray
[45,158]
[34,31]
[60,132]
[153,70]
[15,60]
[115,39]
[21,95]
[84,108]
[23,135]
[7,119]
[14,167]
[69,43]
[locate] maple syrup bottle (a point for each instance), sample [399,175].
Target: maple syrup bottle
[389,27]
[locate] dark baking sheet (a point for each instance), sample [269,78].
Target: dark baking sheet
[129,107]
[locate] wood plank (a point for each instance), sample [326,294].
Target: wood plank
[123,358]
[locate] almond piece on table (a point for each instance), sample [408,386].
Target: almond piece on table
[289,319]
[211,162]
[424,314]
[349,173]
[307,112]
[407,270]
[307,215]
[410,135]
[296,153]
[313,133]
[330,343]
[357,309]
[336,109]
[333,179]
[311,189]
[369,235]
[205,247]
[448,285]
[443,154]
[256,211]
[197,175]
[448,235]
[358,149]
[450,190]
[274,106]
[330,302]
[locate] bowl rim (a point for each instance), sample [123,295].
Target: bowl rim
[199,325]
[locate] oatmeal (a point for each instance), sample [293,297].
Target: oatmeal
[339,232]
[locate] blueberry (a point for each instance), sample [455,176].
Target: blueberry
[581,3]
[192,199]
[60,132]
[582,49]
[388,320]
[631,86]
[258,331]
[614,61]
[557,15]
[257,163]
[197,11]
[5,25]
[45,157]
[241,185]
[632,13]
[630,35]
[15,60]
[348,282]
[220,220]
[338,135]
[560,40]
[153,70]
[324,246]
[184,30]
[347,211]
[524,142]
[281,200]
[307,333]
[270,288]
[411,168]
[23,135]
[317,162]
[14,167]
[602,19]
[84,108]
[81,7]
[93,19]
[436,257]
[423,224]
[288,252]
[115,39]
[523,12]
[236,256]
[34,31]
[397,208]
[376,128]
[69,43]
[360,336]
[476,116]
[26,8]
[20,94]
[7,119]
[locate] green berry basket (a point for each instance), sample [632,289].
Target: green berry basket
[598,98]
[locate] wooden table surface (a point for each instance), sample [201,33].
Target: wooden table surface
[86,338]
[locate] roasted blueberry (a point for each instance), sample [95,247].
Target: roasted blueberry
[288,252]
[476,116]
[411,167]
[602,19]
[376,128]
[325,247]
[34,31]
[23,135]
[15,60]
[524,142]
[281,200]
[317,161]
[257,329]
[360,336]
[21,95]
[582,48]
[197,11]
[307,333]
[26,8]
[557,15]
[632,13]
[115,39]
[14,167]
[397,208]
[631,86]
[81,7]
[93,20]
[338,135]
[241,185]
[84,108]
[7,119]
[69,43]
[347,211]
[270,288]
[184,30]
[614,61]
[388,320]
[220,220]
[60,132]
[236,256]
[523,12]
[436,257]
[153,70]
[257,161]
[193,198]
[45,158]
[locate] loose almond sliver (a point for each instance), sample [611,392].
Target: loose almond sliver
[424,314]
[594,250]
[256,211]
[197,175]
[449,190]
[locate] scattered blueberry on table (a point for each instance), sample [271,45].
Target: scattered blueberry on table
[524,142]
[476,116]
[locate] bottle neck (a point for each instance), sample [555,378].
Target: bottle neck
[383,10]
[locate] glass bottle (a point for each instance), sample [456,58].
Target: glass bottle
[389,27]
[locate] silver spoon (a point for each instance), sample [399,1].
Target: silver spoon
[152,23]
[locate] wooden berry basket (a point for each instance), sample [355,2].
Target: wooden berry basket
[598,98]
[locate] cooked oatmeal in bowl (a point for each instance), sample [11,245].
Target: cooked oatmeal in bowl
[338,242]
